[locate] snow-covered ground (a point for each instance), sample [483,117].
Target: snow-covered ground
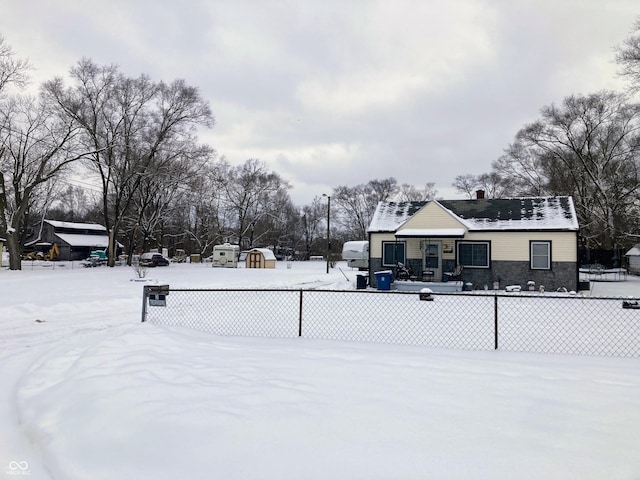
[89,392]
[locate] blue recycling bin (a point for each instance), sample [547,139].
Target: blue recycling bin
[383,279]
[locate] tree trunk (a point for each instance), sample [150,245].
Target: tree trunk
[13,235]
[113,248]
[13,247]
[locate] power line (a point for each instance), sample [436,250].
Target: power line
[86,185]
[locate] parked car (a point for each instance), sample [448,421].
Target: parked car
[150,259]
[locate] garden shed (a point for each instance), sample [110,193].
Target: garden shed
[260,258]
[633,260]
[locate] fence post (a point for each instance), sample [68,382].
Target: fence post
[495,322]
[300,316]
[145,295]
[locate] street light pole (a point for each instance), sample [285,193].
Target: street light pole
[328,228]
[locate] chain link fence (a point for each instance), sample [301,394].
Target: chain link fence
[473,321]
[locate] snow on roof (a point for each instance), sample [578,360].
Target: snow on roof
[268,254]
[634,251]
[355,245]
[527,213]
[390,215]
[78,240]
[430,232]
[226,246]
[76,226]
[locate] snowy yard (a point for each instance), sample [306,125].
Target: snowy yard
[89,392]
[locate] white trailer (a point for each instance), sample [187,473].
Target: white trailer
[225,255]
[356,253]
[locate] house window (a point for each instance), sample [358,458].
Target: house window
[473,254]
[540,255]
[392,253]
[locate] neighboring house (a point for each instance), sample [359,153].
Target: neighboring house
[508,241]
[75,241]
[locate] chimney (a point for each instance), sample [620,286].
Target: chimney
[479,194]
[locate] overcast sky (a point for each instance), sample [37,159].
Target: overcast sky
[332,93]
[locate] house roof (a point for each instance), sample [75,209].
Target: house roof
[76,226]
[509,214]
[266,253]
[390,215]
[634,251]
[76,240]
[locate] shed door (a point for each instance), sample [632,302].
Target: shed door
[254,260]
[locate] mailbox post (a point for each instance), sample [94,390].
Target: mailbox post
[156,295]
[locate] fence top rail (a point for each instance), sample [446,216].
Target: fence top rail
[490,294]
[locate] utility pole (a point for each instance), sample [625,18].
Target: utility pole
[328,229]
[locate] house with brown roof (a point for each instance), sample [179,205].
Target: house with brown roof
[493,242]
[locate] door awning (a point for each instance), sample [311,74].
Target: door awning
[430,233]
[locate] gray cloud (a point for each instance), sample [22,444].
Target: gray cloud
[337,93]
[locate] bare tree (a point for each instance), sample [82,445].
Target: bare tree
[411,193]
[628,57]
[356,205]
[521,172]
[13,70]
[380,190]
[314,216]
[250,191]
[493,185]
[589,147]
[132,124]
[354,211]
[36,146]
[466,183]
[209,221]
[70,202]
[160,194]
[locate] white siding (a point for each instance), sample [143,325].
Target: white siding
[634,264]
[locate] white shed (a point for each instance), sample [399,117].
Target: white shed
[633,260]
